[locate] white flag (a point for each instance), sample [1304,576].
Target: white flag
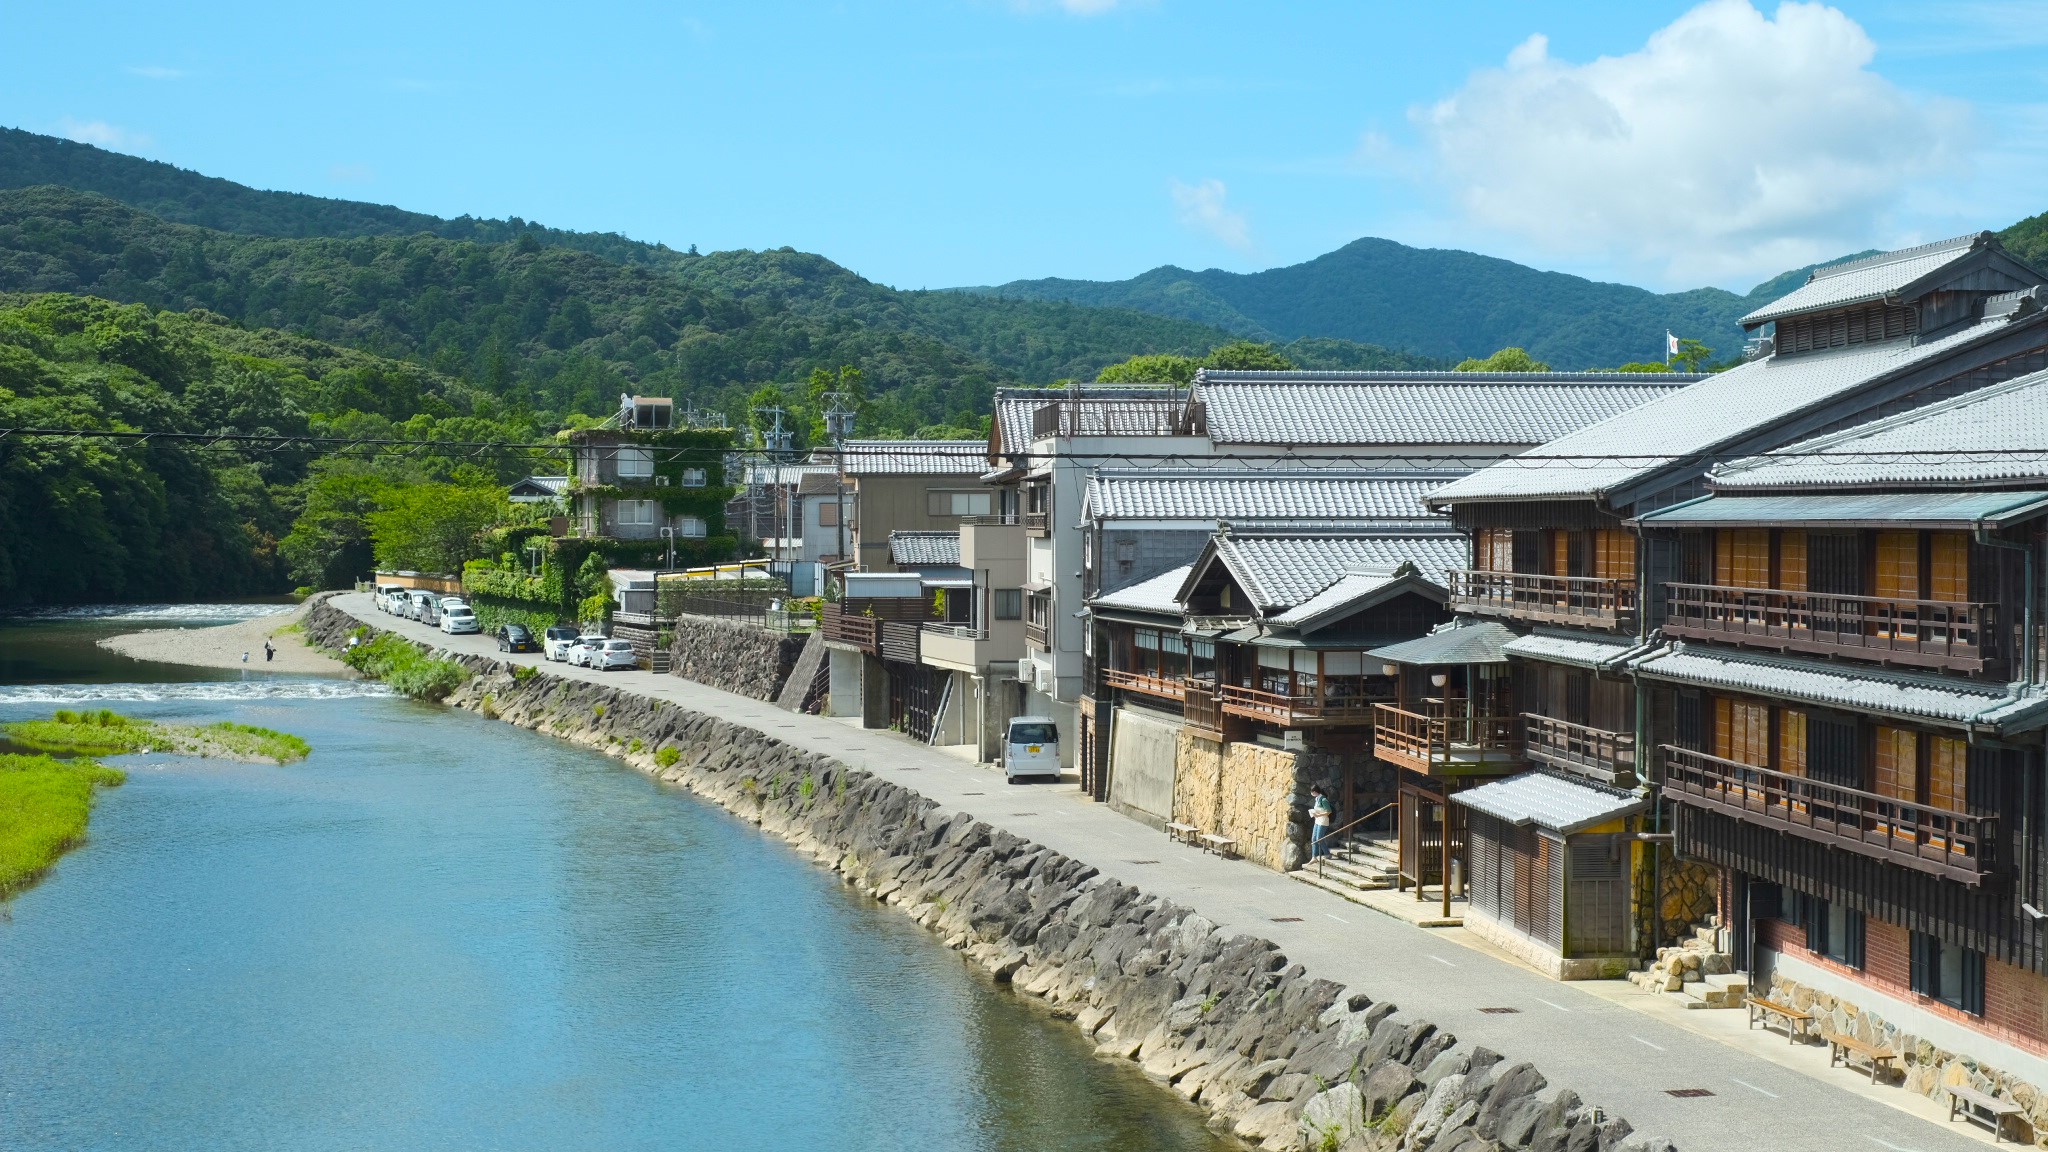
[1670,344]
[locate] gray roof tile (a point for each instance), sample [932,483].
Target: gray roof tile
[1881,691]
[1154,595]
[916,457]
[1869,279]
[1551,801]
[1281,571]
[924,549]
[1109,410]
[1417,408]
[1238,495]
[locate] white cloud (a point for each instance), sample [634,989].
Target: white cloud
[1731,145]
[1073,7]
[103,134]
[1203,208]
[158,72]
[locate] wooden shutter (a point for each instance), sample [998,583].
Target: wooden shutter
[1560,553]
[1496,550]
[1614,555]
[1948,567]
[1792,741]
[1898,566]
[1742,558]
[1947,772]
[1898,763]
[1742,732]
[1792,560]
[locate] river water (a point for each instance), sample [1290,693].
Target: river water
[444,932]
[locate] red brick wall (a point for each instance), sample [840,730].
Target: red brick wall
[2015,1001]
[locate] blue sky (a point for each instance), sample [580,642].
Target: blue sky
[931,143]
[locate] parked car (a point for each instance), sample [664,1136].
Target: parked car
[419,606]
[558,641]
[457,618]
[613,654]
[583,649]
[1032,748]
[516,638]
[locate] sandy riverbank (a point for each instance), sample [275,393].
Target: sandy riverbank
[223,646]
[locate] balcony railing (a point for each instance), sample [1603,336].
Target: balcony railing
[1200,708]
[1293,711]
[1960,637]
[863,632]
[1036,635]
[1148,683]
[1954,844]
[1593,601]
[1606,756]
[1038,524]
[900,640]
[1446,745]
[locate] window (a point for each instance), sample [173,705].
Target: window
[1831,930]
[637,512]
[1742,732]
[1791,742]
[1009,603]
[828,514]
[694,477]
[1614,554]
[689,526]
[1948,567]
[1494,550]
[958,503]
[1952,975]
[1898,764]
[1898,565]
[1742,558]
[636,463]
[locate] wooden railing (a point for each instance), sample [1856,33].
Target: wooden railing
[863,632]
[1199,706]
[1606,756]
[1292,711]
[1954,844]
[900,640]
[1037,524]
[1151,684]
[1445,745]
[1929,633]
[1037,635]
[1598,601]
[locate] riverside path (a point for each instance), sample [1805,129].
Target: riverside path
[1625,1061]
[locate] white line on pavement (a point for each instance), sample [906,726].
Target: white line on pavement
[1646,1043]
[1553,1004]
[1890,1145]
[1757,1090]
[1440,960]
[1337,918]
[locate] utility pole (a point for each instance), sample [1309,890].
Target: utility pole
[839,428]
[776,443]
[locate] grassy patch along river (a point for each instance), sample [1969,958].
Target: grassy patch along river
[105,732]
[44,804]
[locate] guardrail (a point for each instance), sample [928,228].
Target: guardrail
[1931,633]
[1590,600]
[1609,757]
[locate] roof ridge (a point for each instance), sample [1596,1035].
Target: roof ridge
[1961,243]
[1436,376]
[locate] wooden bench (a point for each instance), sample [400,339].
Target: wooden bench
[1184,833]
[1840,1048]
[1219,844]
[1795,1020]
[1984,1111]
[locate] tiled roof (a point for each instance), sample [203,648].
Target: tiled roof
[824,483]
[1580,651]
[1885,692]
[1154,595]
[1462,641]
[1869,279]
[1716,412]
[924,549]
[1417,408]
[1239,495]
[1551,801]
[1281,571]
[916,457]
[1948,509]
[1995,435]
[554,484]
[1108,410]
[1359,589]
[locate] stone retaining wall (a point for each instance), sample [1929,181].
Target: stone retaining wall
[739,658]
[1274,1055]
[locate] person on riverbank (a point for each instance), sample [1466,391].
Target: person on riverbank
[269,652]
[1320,812]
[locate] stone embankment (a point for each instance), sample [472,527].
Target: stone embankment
[1276,1056]
[737,657]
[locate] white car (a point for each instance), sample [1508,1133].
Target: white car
[613,654]
[1032,748]
[555,644]
[582,650]
[457,618]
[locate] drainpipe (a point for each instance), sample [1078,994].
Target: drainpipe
[2027,672]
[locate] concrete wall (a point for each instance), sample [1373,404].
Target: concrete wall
[843,696]
[902,504]
[1141,764]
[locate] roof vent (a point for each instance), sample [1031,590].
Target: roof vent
[2010,306]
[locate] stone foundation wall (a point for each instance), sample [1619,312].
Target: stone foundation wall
[739,658]
[1686,891]
[1253,794]
[1274,1055]
[1198,781]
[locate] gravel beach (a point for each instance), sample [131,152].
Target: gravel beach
[223,646]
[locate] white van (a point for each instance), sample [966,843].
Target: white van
[1032,748]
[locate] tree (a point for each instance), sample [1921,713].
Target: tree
[434,527]
[1247,356]
[1160,368]
[1505,360]
[1690,355]
[329,544]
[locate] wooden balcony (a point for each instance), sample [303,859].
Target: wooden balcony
[1958,637]
[1293,711]
[1037,636]
[1587,601]
[1446,745]
[1164,687]
[1953,844]
[1038,524]
[1609,757]
[900,640]
[1200,709]
[860,631]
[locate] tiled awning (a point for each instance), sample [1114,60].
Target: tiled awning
[1551,801]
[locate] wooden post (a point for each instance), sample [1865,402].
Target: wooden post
[1449,786]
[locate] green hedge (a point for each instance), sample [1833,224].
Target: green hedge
[492,612]
[405,667]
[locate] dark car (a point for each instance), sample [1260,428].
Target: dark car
[516,638]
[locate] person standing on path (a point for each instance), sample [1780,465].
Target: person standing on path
[1320,812]
[268,651]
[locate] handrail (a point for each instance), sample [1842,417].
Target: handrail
[1605,599]
[1361,819]
[1942,633]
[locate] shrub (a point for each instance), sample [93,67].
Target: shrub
[405,668]
[667,757]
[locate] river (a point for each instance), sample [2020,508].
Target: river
[443,932]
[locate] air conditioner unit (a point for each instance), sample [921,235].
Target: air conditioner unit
[661,481]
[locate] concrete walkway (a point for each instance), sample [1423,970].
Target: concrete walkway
[1624,1057]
